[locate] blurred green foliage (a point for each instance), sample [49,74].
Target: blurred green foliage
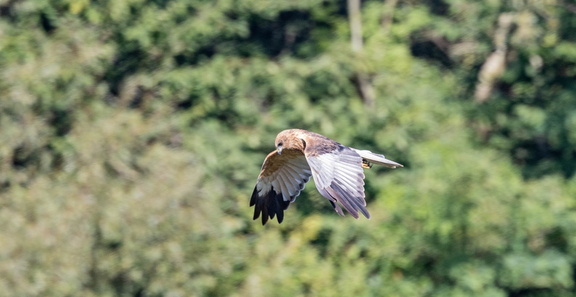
[132,132]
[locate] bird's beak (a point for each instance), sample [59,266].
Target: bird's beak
[279,149]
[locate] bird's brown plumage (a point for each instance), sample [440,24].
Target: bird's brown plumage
[337,171]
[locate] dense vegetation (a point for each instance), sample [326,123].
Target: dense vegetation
[132,132]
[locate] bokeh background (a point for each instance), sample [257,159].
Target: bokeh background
[132,133]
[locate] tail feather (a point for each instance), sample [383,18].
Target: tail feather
[377,158]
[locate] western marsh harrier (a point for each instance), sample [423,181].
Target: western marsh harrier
[299,154]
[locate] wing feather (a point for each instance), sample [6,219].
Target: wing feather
[291,179]
[341,197]
[286,185]
[281,180]
[339,176]
[347,184]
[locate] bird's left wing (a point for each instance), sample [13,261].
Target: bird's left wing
[281,180]
[338,175]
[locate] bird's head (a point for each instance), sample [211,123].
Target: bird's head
[289,139]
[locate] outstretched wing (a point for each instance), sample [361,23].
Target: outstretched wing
[281,180]
[338,175]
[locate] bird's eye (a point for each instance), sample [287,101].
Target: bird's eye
[280,143]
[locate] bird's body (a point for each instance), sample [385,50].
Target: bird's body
[337,171]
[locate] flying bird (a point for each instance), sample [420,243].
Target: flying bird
[337,171]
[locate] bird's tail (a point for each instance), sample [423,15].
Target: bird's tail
[377,159]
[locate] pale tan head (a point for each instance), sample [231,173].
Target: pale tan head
[292,139]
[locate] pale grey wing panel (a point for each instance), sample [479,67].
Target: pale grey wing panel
[339,177]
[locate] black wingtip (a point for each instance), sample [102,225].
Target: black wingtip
[254,197]
[269,206]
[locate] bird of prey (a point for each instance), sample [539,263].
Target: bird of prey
[337,171]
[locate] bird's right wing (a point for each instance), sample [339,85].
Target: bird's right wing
[281,180]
